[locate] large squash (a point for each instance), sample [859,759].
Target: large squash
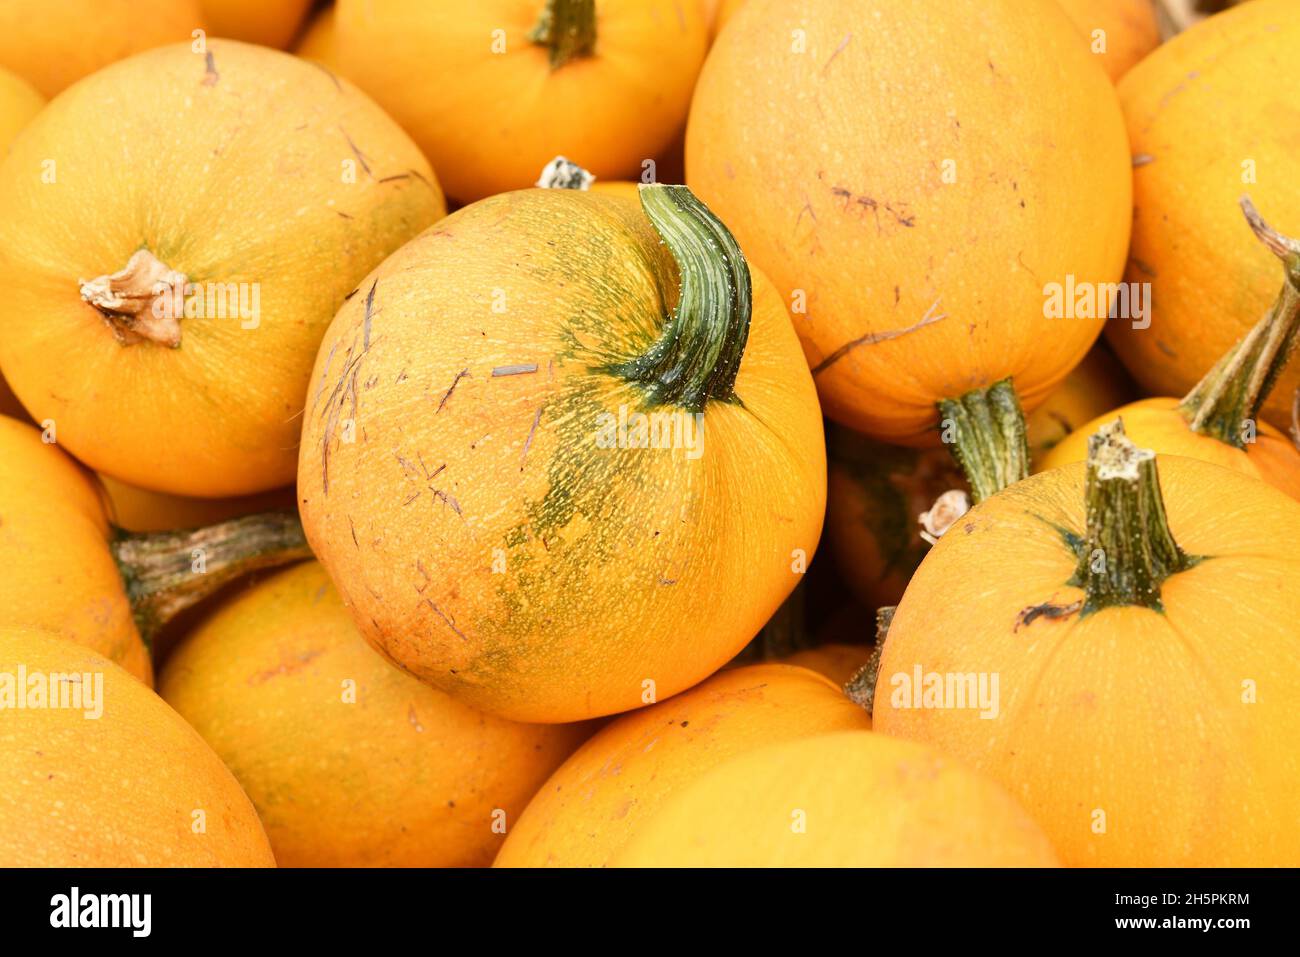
[349,761]
[1193,159]
[68,571]
[911,176]
[847,799]
[1120,651]
[541,446]
[492,89]
[165,309]
[19,102]
[616,782]
[1218,421]
[54,43]
[99,772]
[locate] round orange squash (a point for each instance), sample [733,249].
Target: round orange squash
[565,447]
[492,89]
[910,177]
[348,761]
[54,43]
[140,510]
[111,776]
[1096,384]
[1218,421]
[847,799]
[616,782]
[837,662]
[69,571]
[272,23]
[166,316]
[1120,651]
[1119,32]
[1193,160]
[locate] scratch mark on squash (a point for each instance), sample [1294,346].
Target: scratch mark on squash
[839,49]
[370,312]
[454,382]
[443,615]
[528,442]
[210,74]
[871,338]
[361,157]
[1047,609]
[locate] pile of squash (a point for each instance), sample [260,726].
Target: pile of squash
[337,529]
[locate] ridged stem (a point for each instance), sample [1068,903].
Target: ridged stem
[985,429]
[567,28]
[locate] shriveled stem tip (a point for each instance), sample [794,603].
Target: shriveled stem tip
[861,688]
[562,173]
[140,301]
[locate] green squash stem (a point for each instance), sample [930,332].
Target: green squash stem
[1225,404]
[567,28]
[167,572]
[988,437]
[1128,550]
[697,356]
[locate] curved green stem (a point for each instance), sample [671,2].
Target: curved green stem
[1129,550]
[861,688]
[985,429]
[167,572]
[698,354]
[567,28]
[1225,404]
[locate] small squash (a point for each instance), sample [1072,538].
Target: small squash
[19,102]
[492,89]
[909,175]
[1191,157]
[349,761]
[68,571]
[836,661]
[575,428]
[165,313]
[1218,421]
[1119,32]
[271,23]
[847,799]
[140,510]
[54,43]
[616,782]
[1121,651]
[108,775]
[1095,385]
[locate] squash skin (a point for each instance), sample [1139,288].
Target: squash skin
[59,574]
[19,102]
[1132,30]
[489,121]
[613,558]
[616,782]
[856,215]
[271,23]
[217,416]
[401,777]
[117,791]
[54,43]
[1095,385]
[1130,711]
[1210,280]
[867,800]
[140,510]
[1157,424]
[837,662]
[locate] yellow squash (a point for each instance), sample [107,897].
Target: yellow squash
[271,23]
[911,176]
[1120,650]
[492,89]
[1118,32]
[111,776]
[558,468]
[1193,158]
[165,311]
[616,782]
[349,761]
[848,799]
